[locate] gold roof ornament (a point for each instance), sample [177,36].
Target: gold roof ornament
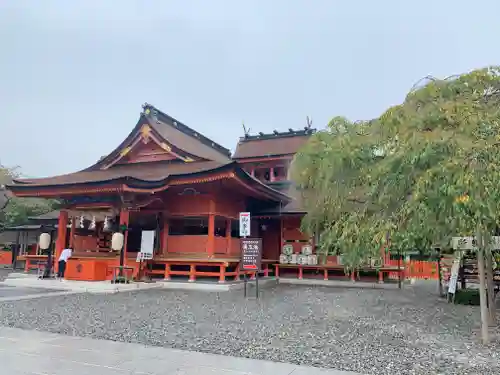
[165,147]
[125,151]
[145,133]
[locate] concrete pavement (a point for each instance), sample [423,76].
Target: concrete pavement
[39,353]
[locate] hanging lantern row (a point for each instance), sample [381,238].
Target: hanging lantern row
[80,223]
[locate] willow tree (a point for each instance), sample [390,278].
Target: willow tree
[423,172]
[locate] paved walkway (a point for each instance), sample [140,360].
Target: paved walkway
[39,353]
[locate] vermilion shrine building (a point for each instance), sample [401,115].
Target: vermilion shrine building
[165,176]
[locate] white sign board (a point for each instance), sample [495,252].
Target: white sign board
[244,224]
[469,243]
[147,245]
[455,267]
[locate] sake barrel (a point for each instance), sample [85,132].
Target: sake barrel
[312,260]
[307,249]
[302,259]
[293,259]
[284,259]
[287,249]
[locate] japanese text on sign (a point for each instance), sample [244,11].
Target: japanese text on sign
[251,253]
[244,224]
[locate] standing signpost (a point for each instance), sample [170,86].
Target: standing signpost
[251,251]
[251,257]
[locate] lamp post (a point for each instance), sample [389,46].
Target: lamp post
[45,245]
[117,242]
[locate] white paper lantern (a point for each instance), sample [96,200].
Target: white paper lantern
[117,241]
[92,223]
[107,225]
[44,241]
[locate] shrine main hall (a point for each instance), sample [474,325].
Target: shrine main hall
[168,178]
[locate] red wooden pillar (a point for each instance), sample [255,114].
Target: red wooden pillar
[228,235]
[192,273]
[211,235]
[72,234]
[211,229]
[164,240]
[62,232]
[124,220]
[222,274]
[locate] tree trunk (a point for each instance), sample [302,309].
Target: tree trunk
[491,288]
[482,293]
[440,280]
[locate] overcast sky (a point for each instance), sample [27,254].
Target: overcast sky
[74,74]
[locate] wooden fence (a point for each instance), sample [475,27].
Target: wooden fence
[415,269]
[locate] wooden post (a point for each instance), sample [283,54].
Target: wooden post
[167,271]
[72,234]
[222,274]
[164,242]
[124,220]
[15,250]
[281,235]
[192,273]
[211,229]
[228,235]
[62,232]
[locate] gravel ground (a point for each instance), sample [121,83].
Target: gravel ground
[4,272]
[368,331]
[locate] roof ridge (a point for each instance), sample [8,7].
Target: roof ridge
[276,135]
[153,112]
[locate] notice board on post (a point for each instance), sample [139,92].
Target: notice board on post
[251,254]
[147,245]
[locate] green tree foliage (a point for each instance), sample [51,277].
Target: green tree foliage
[14,210]
[424,171]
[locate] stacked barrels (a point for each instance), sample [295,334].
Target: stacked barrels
[305,257]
